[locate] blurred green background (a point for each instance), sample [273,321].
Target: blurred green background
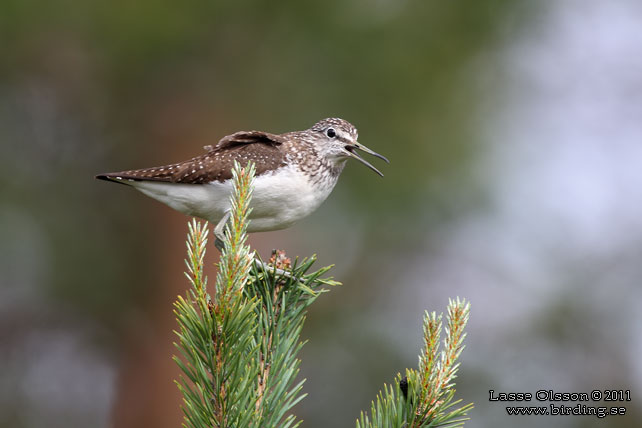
[514,137]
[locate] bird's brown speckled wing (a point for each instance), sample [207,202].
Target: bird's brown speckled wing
[262,148]
[249,137]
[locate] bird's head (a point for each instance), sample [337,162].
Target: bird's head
[336,140]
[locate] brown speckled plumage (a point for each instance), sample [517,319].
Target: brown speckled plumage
[268,152]
[262,148]
[295,172]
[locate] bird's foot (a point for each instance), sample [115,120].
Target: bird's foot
[279,265]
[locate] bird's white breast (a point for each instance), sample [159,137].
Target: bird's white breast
[279,198]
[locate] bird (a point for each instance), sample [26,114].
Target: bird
[295,172]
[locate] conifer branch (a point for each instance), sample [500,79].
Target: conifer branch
[424,397]
[238,347]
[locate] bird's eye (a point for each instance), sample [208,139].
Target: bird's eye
[331,133]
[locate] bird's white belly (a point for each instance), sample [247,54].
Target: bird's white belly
[279,199]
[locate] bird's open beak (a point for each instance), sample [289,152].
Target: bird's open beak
[352,150]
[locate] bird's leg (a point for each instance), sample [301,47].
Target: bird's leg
[219,231]
[219,242]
